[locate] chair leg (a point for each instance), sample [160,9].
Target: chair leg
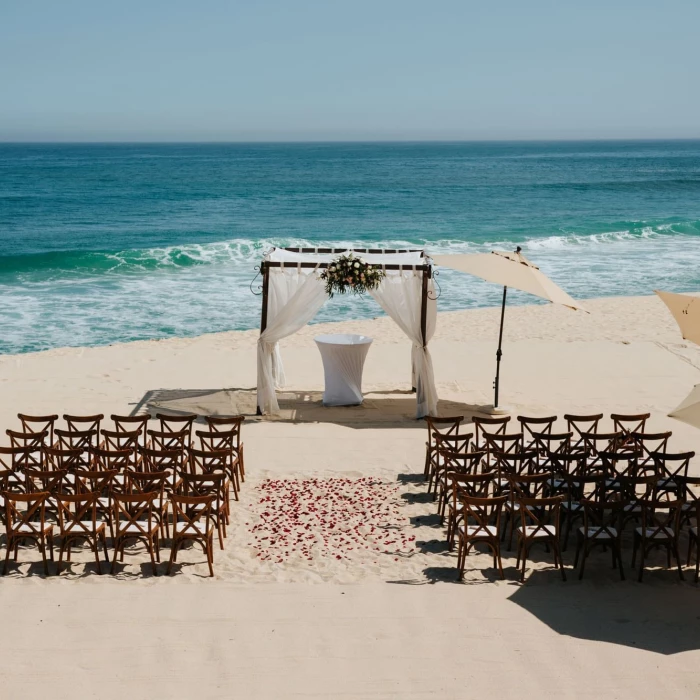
[210,555]
[104,546]
[641,563]
[557,557]
[677,556]
[114,559]
[7,557]
[42,546]
[173,555]
[153,558]
[96,550]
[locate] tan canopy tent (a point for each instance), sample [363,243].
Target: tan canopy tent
[686,311]
[510,270]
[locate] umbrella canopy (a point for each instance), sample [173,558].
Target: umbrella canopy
[689,409]
[510,270]
[686,311]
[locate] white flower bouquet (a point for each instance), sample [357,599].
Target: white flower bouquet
[350,274]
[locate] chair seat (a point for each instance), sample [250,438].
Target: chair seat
[664,533]
[545,531]
[572,506]
[598,533]
[666,485]
[633,508]
[140,527]
[476,530]
[76,527]
[33,529]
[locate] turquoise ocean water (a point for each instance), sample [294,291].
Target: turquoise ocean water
[110,243]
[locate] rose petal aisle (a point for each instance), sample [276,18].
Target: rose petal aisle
[336,518]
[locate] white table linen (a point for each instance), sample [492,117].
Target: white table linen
[343,358]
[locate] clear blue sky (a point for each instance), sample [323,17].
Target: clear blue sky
[326,70]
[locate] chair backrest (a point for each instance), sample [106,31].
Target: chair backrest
[461,462]
[188,514]
[479,485]
[616,464]
[131,424]
[19,458]
[205,462]
[449,425]
[690,490]
[672,465]
[529,426]
[77,514]
[568,463]
[159,460]
[637,489]
[516,463]
[38,481]
[529,485]
[594,443]
[133,513]
[38,424]
[122,440]
[204,485]
[627,423]
[168,440]
[552,443]
[482,514]
[82,424]
[66,459]
[25,513]
[97,482]
[177,424]
[83,440]
[496,425]
[147,482]
[225,424]
[540,512]
[32,446]
[580,425]
[452,443]
[112,460]
[217,440]
[648,443]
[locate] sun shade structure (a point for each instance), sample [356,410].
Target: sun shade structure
[510,270]
[293,293]
[689,409]
[686,310]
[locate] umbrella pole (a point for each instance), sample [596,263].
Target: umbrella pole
[499,353]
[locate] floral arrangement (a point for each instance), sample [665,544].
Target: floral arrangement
[348,273]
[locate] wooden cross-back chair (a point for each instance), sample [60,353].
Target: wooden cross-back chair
[122,440]
[192,522]
[466,463]
[210,484]
[168,440]
[521,486]
[532,426]
[134,520]
[577,488]
[25,519]
[499,444]
[101,483]
[617,465]
[234,424]
[81,424]
[481,524]
[78,522]
[57,458]
[595,443]
[602,527]
[121,462]
[49,482]
[83,440]
[38,424]
[447,425]
[223,441]
[660,527]
[691,510]
[203,462]
[672,470]
[579,426]
[477,485]
[495,425]
[131,424]
[540,524]
[550,444]
[152,460]
[158,483]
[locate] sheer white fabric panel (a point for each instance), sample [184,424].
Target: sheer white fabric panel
[400,295]
[287,256]
[294,298]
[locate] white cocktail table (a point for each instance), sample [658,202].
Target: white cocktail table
[343,358]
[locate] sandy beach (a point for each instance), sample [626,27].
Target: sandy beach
[381,617]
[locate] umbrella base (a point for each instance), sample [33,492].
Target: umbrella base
[495,410]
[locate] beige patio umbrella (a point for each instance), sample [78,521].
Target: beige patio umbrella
[510,270]
[686,311]
[689,410]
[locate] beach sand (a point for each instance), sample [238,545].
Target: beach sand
[377,614]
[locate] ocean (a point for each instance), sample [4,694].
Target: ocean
[108,243]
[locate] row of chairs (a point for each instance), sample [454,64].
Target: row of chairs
[102,480]
[484,487]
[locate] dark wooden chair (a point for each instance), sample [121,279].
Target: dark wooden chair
[223,441]
[539,519]
[477,485]
[627,424]
[177,424]
[25,519]
[230,423]
[443,445]
[530,427]
[481,524]
[209,484]
[466,463]
[602,527]
[158,483]
[192,522]
[78,424]
[579,426]
[132,424]
[38,424]
[78,522]
[660,528]
[519,486]
[672,470]
[648,444]
[30,449]
[134,520]
[449,425]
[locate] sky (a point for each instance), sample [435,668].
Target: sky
[290,70]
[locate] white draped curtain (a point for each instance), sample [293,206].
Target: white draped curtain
[400,295]
[296,294]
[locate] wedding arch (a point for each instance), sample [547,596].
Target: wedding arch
[293,293]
